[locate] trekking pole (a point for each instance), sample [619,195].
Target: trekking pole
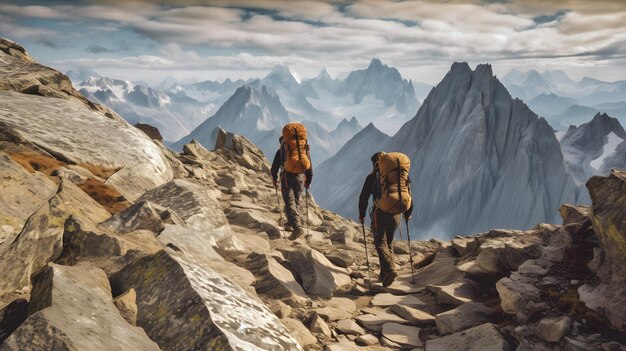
[367,260]
[280,210]
[408,235]
[306,190]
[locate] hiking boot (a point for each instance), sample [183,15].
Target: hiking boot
[297,232]
[389,278]
[288,227]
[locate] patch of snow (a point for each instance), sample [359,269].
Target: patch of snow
[609,149]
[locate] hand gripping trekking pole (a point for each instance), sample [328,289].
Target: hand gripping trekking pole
[408,235]
[367,259]
[280,210]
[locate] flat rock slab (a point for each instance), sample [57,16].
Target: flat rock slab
[387,299]
[374,322]
[337,308]
[456,293]
[481,338]
[403,335]
[247,205]
[413,315]
[275,280]
[467,315]
[82,135]
[349,326]
[183,305]
[319,276]
[72,309]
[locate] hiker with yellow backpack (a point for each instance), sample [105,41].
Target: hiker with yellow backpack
[390,187]
[294,158]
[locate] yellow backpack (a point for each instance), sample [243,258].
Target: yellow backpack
[395,184]
[296,150]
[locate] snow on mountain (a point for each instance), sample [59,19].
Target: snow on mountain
[588,147]
[168,83]
[174,114]
[254,111]
[81,74]
[480,159]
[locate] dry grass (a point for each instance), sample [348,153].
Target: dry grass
[33,161]
[105,195]
[102,193]
[98,171]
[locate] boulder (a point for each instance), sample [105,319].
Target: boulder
[442,271]
[481,338]
[41,239]
[279,308]
[198,207]
[367,340]
[151,131]
[141,216]
[574,214]
[254,219]
[349,326]
[337,308]
[127,305]
[387,299]
[274,280]
[608,196]
[403,335]
[204,309]
[553,329]
[22,194]
[319,276]
[71,309]
[516,292]
[456,293]
[73,132]
[341,258]
[240,150]
[317,325]
[467,315]
[299,331]
[413,315]
[14,49]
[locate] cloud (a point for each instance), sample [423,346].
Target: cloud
[98,49]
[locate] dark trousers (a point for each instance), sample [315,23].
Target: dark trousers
[291,189]
[384,226]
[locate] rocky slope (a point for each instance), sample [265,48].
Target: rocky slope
[200,262]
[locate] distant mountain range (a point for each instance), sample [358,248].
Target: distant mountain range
[563,101]
[480,159]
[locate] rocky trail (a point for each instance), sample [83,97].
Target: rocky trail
[110,241]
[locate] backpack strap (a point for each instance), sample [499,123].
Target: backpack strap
[398,170]
[298,143]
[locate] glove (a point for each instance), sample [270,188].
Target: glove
[362,219]
[275,183]
[307,185]
[407,218]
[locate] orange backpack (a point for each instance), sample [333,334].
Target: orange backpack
[296,150]
[395,184]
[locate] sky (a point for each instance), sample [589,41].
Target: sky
[217,39]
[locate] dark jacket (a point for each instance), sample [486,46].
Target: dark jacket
[371,187]
[278,163]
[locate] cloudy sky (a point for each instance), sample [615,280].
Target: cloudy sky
[215,39]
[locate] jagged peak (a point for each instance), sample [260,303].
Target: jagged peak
[376,62]
[285,70]
[324,74]
[460,67]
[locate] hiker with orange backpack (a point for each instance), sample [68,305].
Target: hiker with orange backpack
[294,158]
[390,187]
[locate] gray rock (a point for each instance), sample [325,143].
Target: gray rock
[317,325]
[349,326]
[413,315]
[299,331]
[280,309]
[274,280]
[403,335]
[203,308]
[481,338]
[456,293]
[64,295]
[22,194]
[141,216]
[516,292]
[374,322]
[341,258]
[11,317]
[553,329]
[337,308]
[574,214]
[198,207]
[72,131]
[319,276]
[467,315]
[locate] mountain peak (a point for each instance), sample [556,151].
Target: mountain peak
[375,63]
[460,67]
[285,71]
[324,75]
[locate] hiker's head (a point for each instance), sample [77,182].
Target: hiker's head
[375,157]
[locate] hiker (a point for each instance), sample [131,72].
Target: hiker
[294,161]
[383,189]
